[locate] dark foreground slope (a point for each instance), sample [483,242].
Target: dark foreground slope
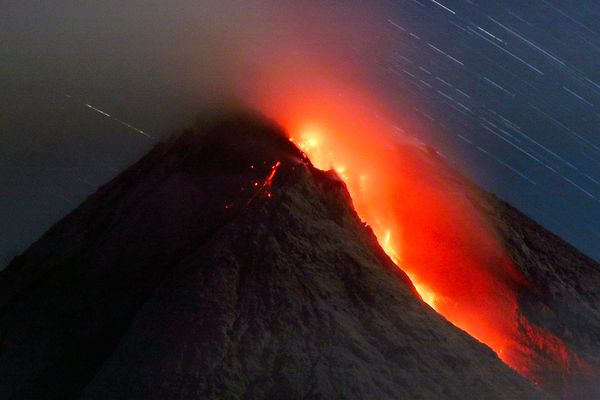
[194,275]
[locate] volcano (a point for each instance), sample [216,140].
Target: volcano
[223,264]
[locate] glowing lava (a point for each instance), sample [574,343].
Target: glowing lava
[427,220]
[424,215]
[264,189]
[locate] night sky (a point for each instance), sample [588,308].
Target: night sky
[508,91]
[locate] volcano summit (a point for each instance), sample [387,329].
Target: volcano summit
[223,264]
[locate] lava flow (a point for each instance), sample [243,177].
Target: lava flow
[428,222]
[265,187]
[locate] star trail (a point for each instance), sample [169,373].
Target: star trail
[514,85]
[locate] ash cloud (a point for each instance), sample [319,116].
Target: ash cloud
[154,55]
[154,65]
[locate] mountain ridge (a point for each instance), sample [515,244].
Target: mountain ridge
[224,264]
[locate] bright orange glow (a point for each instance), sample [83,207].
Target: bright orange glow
[425,221]
[424,216]
[265,188]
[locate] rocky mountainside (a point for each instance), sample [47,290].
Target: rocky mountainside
[223,265]
[557,338]
[563,298]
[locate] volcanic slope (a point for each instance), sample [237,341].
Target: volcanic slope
[563,298]
[223,265]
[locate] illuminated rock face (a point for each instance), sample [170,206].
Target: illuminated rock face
[561,302]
